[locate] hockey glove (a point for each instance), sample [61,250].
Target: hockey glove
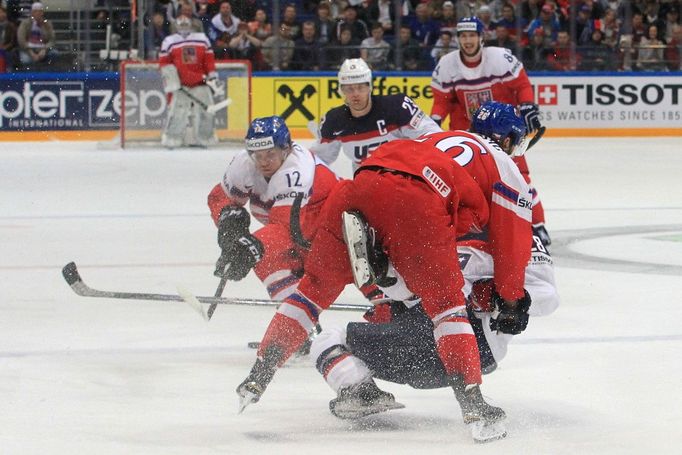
[511,319]
[234,222]
[531,116]
[216,85]
[540,231]
[236,262]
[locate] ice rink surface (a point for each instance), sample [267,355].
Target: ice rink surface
[98,376]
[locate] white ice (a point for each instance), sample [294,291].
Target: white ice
[97,376]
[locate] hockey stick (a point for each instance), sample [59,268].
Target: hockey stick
[295,223]
[536,138]
[74,280]
[218,293]
[213,108]
[314,129]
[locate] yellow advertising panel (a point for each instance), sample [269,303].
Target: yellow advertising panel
[302,99]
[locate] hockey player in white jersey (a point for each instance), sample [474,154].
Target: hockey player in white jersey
[268,174]
[190,80]
[366,121]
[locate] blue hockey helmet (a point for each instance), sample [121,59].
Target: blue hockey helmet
[470,24]
[499,121]
[266,133]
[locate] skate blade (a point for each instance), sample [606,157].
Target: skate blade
[487,432]
[357,413]
[245,400]
[354,236]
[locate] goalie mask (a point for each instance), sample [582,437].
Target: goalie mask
[499,122]
[183,25]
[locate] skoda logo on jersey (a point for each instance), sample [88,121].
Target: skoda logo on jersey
[260,143]
[435,181]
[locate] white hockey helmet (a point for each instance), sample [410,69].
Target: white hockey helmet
[355,71]
[183,25]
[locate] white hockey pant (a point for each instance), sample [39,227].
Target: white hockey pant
[337,365]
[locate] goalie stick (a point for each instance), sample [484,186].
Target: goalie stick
[213,108]
[74,280]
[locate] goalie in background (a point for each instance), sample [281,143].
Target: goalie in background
[191,82]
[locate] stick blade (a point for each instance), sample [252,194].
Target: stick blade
[192,301]
[70,273]
[218,106]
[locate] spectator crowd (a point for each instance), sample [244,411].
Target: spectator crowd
[547,35]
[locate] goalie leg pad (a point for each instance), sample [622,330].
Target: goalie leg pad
[204,124]
[177,121]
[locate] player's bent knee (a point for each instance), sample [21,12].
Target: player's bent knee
[329,337]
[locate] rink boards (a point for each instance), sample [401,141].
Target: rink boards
[72,106]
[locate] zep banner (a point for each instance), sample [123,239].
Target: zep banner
[87,105]
[570,105]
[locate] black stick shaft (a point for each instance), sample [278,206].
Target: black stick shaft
[218,293]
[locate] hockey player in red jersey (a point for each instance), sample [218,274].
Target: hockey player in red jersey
[463,80]
[268,174]
[366,121]
[503,287]
[190,79]
[418,200]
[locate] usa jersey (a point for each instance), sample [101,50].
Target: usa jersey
[507,236]
[459,89]
[391,117]
[192,56]
[271,199]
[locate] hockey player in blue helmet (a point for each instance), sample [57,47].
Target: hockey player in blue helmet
[470,36]
[503,124]
[268,142]
[266,177]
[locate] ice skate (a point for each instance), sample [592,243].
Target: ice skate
[362,400]
[355,235]
[369,262]
[485,422]
[249,392]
